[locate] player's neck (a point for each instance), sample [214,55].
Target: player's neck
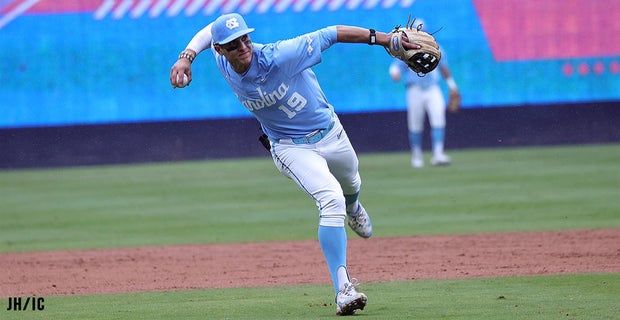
[240,67]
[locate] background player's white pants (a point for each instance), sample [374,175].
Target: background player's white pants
[326,171]
[425,101]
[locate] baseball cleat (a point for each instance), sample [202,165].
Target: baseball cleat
[360,222]
[348,300]
[440,160]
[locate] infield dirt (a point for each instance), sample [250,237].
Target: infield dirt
[183,267]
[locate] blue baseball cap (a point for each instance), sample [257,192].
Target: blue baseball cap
[229,27]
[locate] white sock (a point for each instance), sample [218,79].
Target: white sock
[343,277]
[417,153]
[438,149]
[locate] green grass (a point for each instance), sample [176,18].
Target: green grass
[238,200]
[588,296]
[497,190]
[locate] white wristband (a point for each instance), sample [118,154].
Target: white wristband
[451,84]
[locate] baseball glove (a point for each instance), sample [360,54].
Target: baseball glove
[454,101]
[421,61]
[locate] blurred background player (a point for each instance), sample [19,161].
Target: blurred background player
[424,96]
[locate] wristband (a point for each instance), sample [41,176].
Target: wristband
[372,37]
[187,55]
[451,84]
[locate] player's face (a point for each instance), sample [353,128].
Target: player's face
[238,52]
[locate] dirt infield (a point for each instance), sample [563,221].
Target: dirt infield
[288,263]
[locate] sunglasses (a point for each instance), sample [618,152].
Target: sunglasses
[234,45]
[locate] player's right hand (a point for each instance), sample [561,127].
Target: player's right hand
[181,67]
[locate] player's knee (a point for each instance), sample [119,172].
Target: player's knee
[354,185]
[333,209]
[332,220]
[335,204]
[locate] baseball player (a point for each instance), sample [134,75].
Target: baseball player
[308,144]
[424,96]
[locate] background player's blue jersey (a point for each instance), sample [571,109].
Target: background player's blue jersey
[280,89]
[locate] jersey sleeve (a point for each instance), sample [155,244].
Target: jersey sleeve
[295,55]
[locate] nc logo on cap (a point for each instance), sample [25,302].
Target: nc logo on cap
[227,28]
[232,23]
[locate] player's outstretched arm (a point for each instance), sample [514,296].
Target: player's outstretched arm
[352,34]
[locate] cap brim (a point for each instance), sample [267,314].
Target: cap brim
[236,35]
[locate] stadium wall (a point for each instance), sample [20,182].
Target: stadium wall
[369,132]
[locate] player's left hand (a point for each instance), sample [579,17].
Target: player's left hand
[417,48]
[407,45]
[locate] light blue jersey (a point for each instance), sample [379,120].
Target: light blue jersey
[411,78]
[280,89]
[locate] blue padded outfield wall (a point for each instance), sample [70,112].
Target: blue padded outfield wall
[86,81]
[103,61]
